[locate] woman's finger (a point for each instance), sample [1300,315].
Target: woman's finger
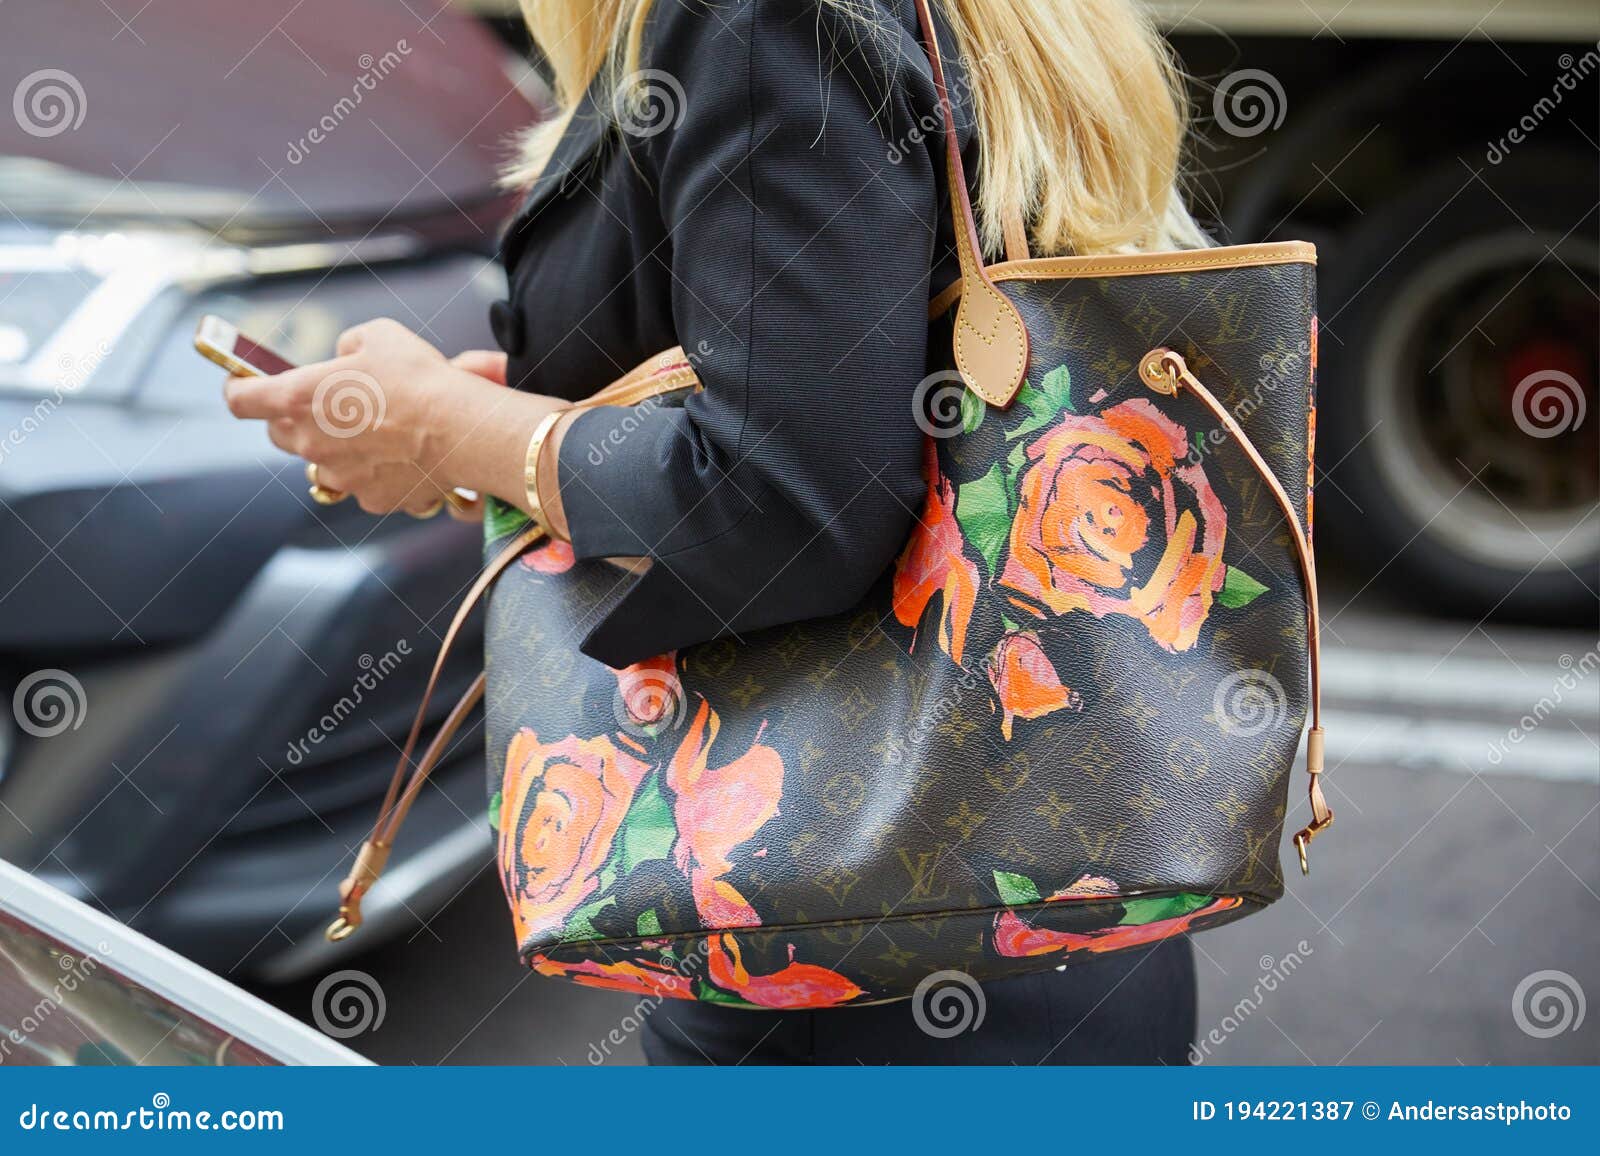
[487,363]
[285,434]
[259,398]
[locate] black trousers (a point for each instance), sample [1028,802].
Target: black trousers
[1135,1007]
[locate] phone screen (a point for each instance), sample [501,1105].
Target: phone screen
[259,356]
[218,341]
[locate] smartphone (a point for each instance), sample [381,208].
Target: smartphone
[219,342]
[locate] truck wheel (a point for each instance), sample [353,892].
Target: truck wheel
[1459,393]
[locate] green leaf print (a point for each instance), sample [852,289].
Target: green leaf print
[1239,589]
[1138,912]
[648,830]
[649,923]
[580,924]
[1052,397]
[501,519]
[972,409]
[1015,889]
[495,802]
[984,514]
[705,993]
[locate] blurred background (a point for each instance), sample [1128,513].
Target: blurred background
[208,673]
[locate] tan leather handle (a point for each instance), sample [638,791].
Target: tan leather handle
[665,373]
[990,340]
[1166,371]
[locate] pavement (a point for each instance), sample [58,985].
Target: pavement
[1452,914]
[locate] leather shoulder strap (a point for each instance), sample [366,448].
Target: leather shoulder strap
[991,342]
[667,372]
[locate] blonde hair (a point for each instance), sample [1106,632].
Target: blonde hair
[1080,108]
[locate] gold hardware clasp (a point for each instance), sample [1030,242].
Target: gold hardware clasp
[1155,372]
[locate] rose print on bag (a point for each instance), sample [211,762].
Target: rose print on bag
[934,562]
[580,816]
[639,977]
[1025,682]
[799,985]
[717,809]
[562,806]
[1145,919]
[1100,512]
[1100,495]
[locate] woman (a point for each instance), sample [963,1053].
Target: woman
[762,183]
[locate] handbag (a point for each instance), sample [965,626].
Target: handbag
[1063,725]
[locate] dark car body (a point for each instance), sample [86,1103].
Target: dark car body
[236,663]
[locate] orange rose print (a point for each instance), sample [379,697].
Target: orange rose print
[1112,519]
[1015,938]
[554,557]
[563,803]
[1026,683]
[650,691]
[799,985]
[641,978]
[716,809]
[934,562]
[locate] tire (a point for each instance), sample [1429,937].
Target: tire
[1458,408]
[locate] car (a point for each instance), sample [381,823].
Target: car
[1442,158]
[209,673]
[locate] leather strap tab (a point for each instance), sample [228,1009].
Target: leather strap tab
[991,342]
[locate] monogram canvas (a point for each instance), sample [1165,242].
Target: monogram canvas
[1062,725]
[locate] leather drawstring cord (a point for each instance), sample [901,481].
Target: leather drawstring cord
[1165,372]
[668,372]
[397,801]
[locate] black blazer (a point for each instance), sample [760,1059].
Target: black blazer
[780,211]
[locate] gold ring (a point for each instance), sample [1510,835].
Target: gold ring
[429,511]
[321,494]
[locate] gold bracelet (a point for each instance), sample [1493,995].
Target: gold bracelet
[530,467]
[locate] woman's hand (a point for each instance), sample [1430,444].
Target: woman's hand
[390,421]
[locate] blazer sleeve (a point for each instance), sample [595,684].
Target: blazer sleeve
[800,231]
